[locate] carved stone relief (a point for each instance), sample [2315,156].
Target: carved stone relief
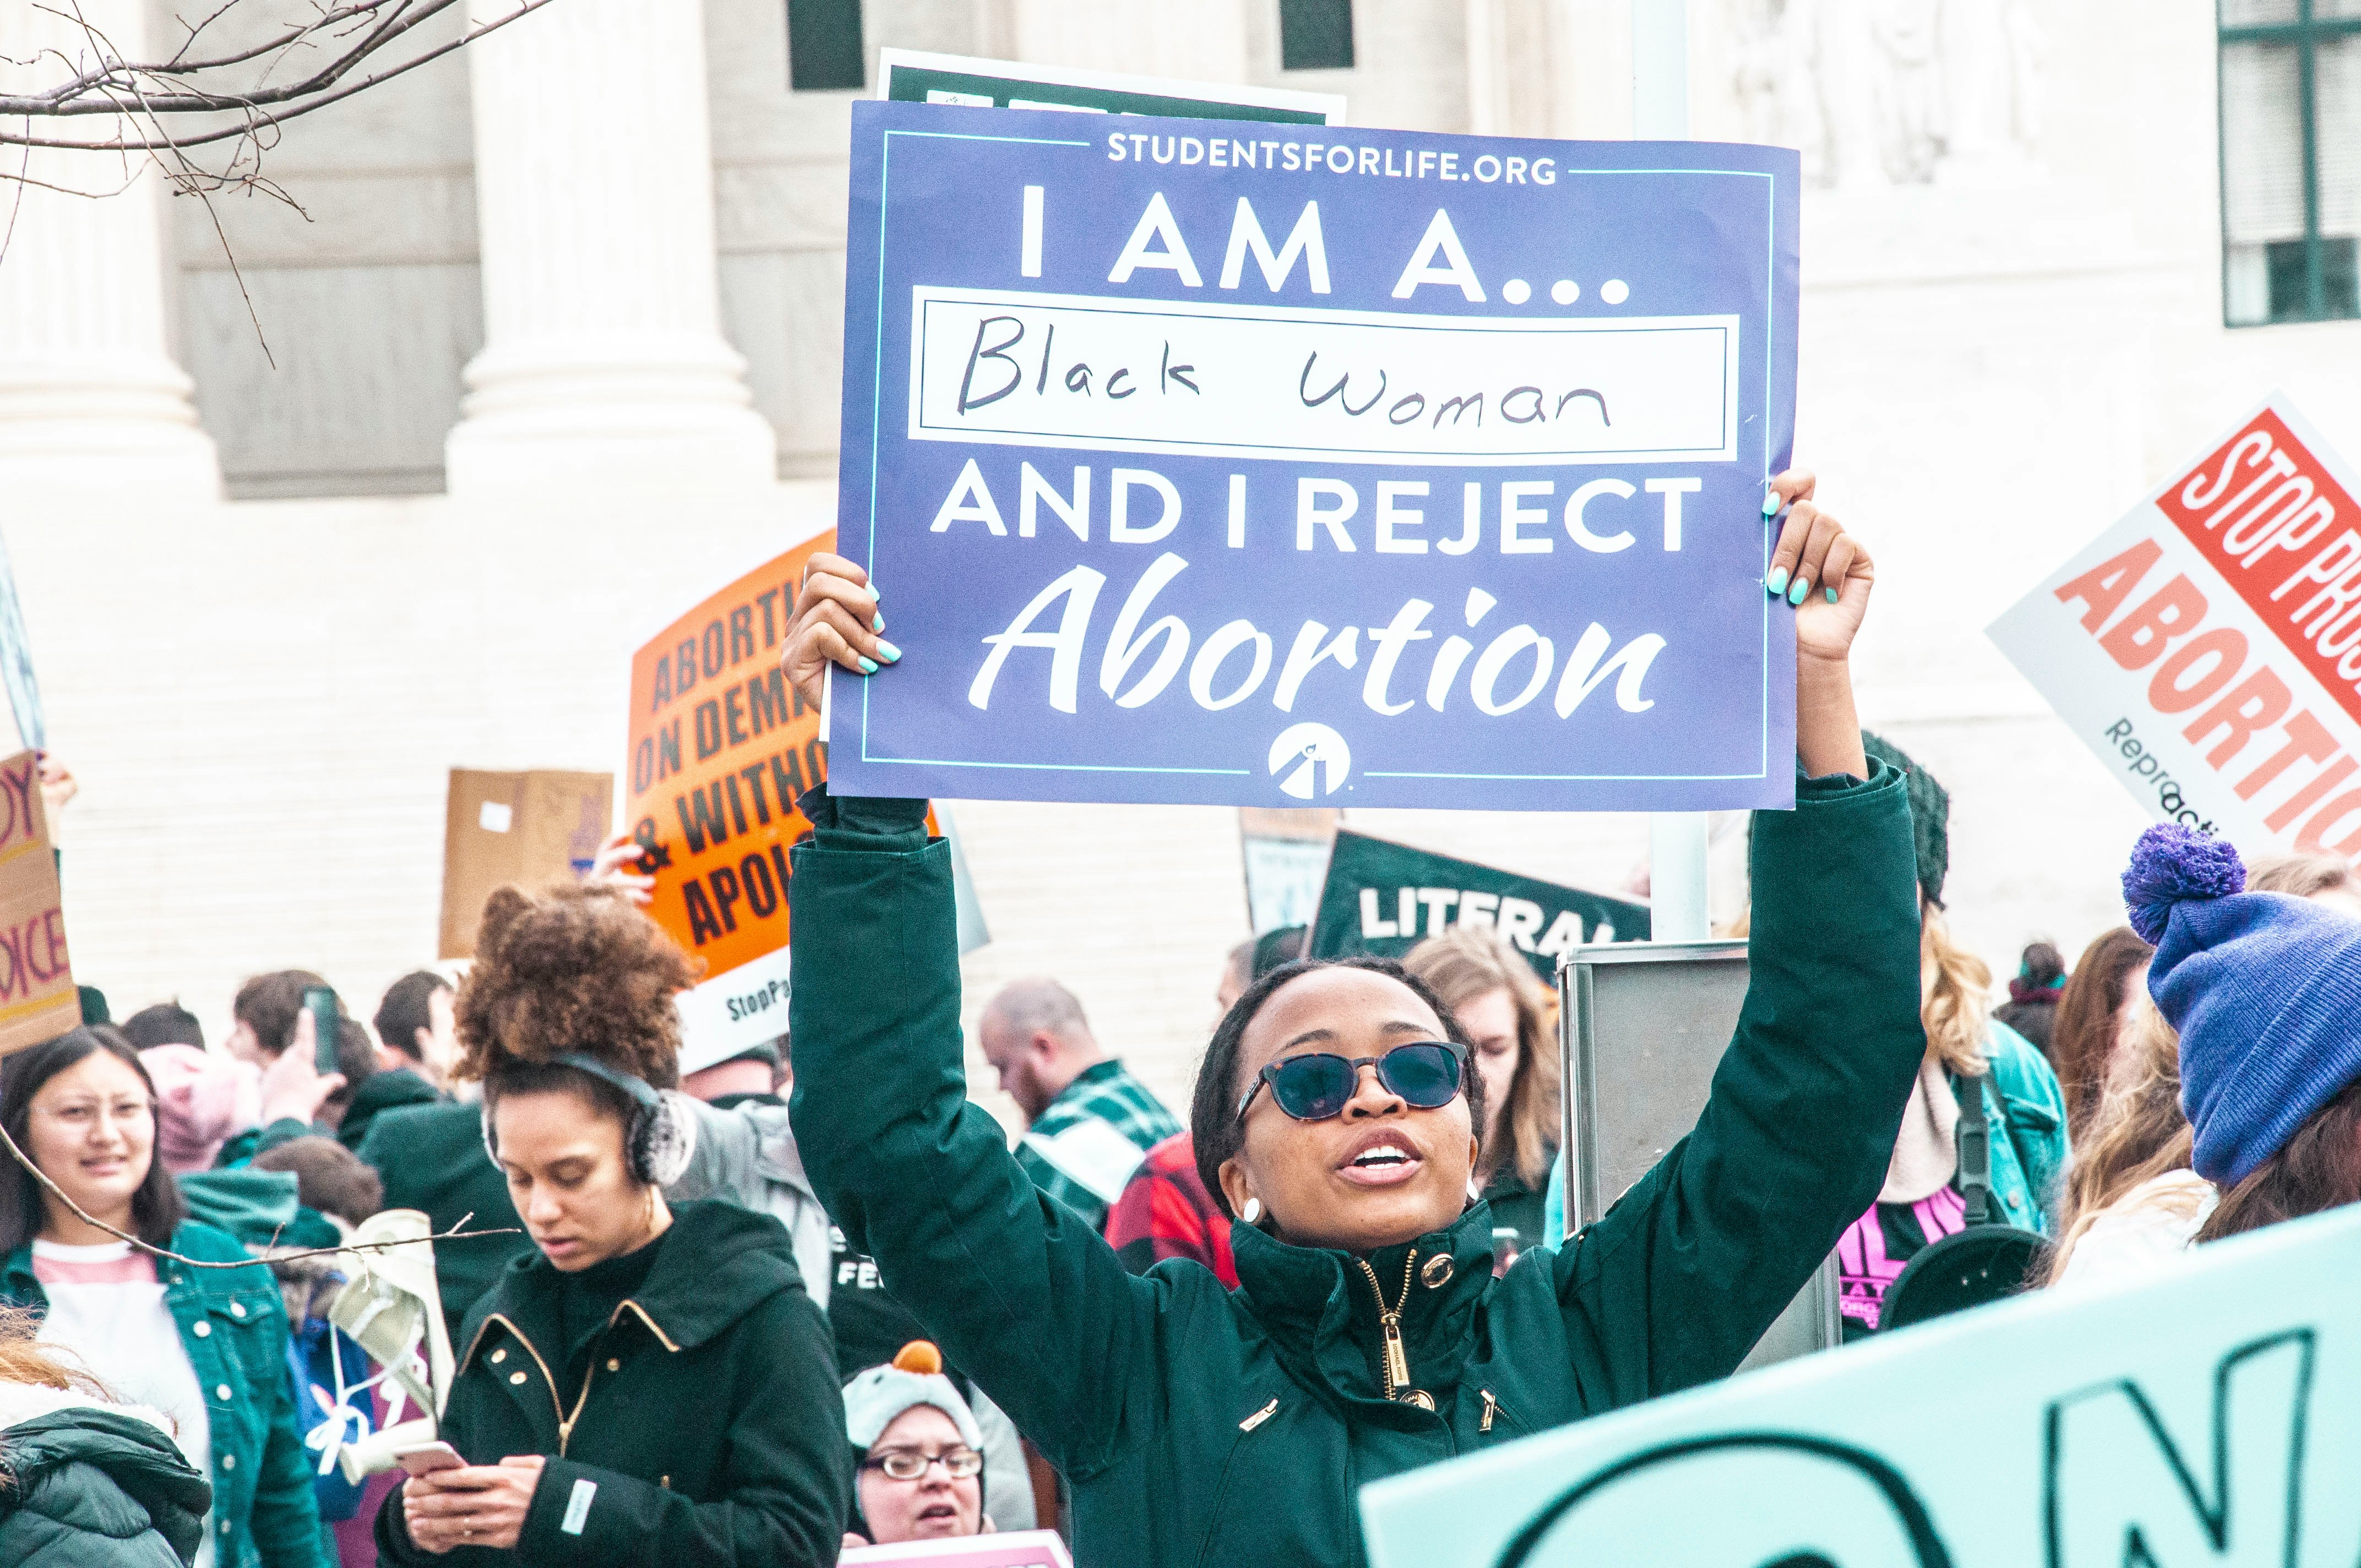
[1893,92]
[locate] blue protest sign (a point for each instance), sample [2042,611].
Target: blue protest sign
[1238,463]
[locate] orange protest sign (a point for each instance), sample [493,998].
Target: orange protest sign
[719,750]
[38,999]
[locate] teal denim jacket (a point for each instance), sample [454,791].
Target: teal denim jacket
[2028,1165]
[233,1325]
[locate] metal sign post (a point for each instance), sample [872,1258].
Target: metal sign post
[1660,111]
[1642,1026]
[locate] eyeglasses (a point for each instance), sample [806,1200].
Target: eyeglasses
[908,1464]
[1315,1086]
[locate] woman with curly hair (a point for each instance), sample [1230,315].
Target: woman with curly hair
[650,1384]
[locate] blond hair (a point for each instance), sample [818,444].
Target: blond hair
[1954,995]
[2137,1134]
[24,1359]
[1470,962]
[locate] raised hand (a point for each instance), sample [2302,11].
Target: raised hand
[836,621]
[1827,574]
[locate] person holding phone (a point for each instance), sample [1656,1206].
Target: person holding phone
[206,1346]
[651,1383]
[1338,1120]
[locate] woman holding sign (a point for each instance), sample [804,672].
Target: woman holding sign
[1337,1118]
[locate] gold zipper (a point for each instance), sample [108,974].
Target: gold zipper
[1396,1361]
[1491,1408]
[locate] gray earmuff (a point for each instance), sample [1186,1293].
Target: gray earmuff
[657,1141]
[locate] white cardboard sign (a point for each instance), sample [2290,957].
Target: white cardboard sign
[2208,646]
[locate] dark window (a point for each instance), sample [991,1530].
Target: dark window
[2291,90]
[824,45]
[1315,34]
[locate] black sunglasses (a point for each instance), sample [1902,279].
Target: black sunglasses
[1315,1086]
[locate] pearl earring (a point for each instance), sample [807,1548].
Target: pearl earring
[1252,1215]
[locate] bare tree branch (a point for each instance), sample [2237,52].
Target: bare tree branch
[171,109]
[456,1233]
[178,85]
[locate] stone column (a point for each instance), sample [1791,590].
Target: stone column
[603,360]
[91,403]
[1549,68]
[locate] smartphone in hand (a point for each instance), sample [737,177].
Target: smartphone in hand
[321,1004]
[428,1457]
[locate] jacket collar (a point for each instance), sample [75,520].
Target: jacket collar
[1321,1312]
[718,1263]
[1084,1084]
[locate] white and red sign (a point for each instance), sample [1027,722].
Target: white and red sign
[2208,646]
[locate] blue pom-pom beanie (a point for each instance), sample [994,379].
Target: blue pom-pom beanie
[2264,987]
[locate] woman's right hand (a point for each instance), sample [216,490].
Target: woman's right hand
[836,621]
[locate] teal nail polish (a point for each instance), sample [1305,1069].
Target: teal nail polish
[1770,504]
[867,666]
[877,624]
[891,653]
[1777,581]
[1796,594]
[1832,595]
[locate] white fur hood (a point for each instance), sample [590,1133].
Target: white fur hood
[21,1402]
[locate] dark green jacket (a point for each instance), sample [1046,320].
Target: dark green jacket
[710,1418]
[1199,1426]
[258,1207]
[379,1092]
[431,1158]
[86,1486]
[234,1329]
[238,1152]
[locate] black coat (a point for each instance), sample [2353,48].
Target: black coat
[90,1488]
[711,1422]
[431,1158]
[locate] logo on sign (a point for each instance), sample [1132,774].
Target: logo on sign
[1305,753]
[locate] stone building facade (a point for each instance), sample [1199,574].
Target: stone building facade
[313,499]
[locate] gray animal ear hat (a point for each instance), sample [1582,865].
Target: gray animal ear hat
[874,1399]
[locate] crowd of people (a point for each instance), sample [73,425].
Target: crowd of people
[762,1306]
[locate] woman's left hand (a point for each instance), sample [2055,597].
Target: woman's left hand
[1816,555]
[476,1505]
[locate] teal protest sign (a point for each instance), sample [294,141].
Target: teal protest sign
[2213,1417]
[17,662]
[915,76]
[1385,898]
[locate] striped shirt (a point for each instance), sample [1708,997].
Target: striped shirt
[1086,1145]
